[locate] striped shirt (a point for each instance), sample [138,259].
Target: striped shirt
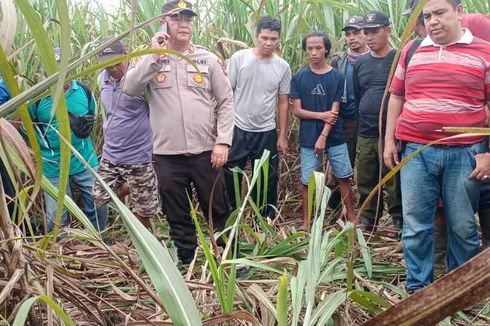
[443,86]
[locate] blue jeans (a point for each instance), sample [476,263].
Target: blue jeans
[338,156]
[438,171]
[85,183]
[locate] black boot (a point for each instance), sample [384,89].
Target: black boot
[186,255]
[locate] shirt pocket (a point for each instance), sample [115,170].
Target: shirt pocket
[163,78]
[198,78]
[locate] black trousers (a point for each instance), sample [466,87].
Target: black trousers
[8,188]
[176,174]
[250,146]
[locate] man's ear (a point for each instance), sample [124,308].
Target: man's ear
[459,12]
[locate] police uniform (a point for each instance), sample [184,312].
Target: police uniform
[191,110]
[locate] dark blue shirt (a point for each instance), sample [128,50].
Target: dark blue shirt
[349,109]
[317,93]
[4,93]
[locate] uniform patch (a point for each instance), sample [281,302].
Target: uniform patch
[198,78]
[160,77]
[134,62]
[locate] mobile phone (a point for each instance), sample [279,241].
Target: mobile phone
[163,28]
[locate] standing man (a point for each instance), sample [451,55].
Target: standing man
[371,72]
[80,102]
[126,156]
[191,115]
[355,41]
[260,80]
[419,113]
[316,92]
[479,26]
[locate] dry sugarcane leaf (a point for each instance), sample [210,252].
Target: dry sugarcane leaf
[465,286]
[11,135]
[8,25]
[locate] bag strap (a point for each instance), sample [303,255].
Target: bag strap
[88,93]
[344,96]
[411,51]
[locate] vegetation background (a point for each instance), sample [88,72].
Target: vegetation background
[126,275]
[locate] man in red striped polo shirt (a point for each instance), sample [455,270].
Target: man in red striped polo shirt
[446,83]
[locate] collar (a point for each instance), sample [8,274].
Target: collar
[190,50]
[467,38]
[74,85]
[105,76]
[107,79]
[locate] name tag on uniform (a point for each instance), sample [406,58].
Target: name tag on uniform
[201,62]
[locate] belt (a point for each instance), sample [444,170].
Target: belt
[453,146]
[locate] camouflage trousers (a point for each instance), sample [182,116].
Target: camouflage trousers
[141,181]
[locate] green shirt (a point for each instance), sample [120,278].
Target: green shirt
[46,131]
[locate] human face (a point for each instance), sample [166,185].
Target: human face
[267,42]
[180,27]
[355,39]
[117,71]
[419,29]
[442,21]
[377,38]
[315,48]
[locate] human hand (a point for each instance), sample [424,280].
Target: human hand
[282,144]
[329,117]
[482,169]
[390,155]
[219,156]
[158,41]
[320,145]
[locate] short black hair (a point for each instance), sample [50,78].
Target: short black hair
[454,3]
[268,22]
[326,41]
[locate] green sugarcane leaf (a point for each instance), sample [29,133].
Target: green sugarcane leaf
[25,307]
[366,256]
[282,300]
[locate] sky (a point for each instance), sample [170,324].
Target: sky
[109,4]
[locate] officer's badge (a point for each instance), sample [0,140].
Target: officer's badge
[352,20]
[182,5]
[198,78]
[160,78]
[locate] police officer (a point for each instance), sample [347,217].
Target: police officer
[191,115]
